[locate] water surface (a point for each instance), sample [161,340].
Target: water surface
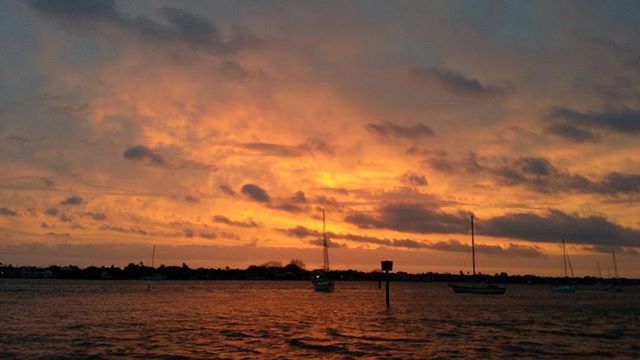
[269,319]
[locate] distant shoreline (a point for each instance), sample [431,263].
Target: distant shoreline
[288,272]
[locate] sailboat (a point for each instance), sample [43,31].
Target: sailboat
[155,275]
[598,284]
[320,280]
[477,288]
[615,284]
[567,287]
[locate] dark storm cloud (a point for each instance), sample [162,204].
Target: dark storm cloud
[573,133]
[449,246]
[551,227]
[309,148]
[191,199]
[273,149]
[624,121]
[512,249]
[195,165]
[318,147]
[415,218]
[73,200]
[408,243]
[442,162]
[143,153]
[388,130]
[65,218]
[178,26]
[363,239]
[460,85]
[227,190]
[208,235]
[134,230]
[186,232]
[298,197]
[330,243]
[288,207]
[96,215]
[303,232]
[189,233]
[294,204]
[53,234]
[48,182]
[256,193]
[51,211]
[419,151]
[537,172]
[540,175]
[414,179]
[225,220]
[557,225]
[616,183]
[328,202]
[7,212]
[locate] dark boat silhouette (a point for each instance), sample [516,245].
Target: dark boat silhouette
[477,288]
[481,288]
[155,275]
[566,287]
[320,280]
[616,286]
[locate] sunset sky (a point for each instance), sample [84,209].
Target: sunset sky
[217,131]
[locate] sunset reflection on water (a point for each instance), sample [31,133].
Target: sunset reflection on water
[229,319]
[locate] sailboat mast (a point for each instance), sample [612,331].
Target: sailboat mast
[615,263]
[153,256]
[564,257]
[325,244]
[473,247]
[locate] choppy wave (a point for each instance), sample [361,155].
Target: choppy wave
[246,320]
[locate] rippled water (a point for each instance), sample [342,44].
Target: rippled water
[227,319]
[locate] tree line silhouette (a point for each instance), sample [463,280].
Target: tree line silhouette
[273,270]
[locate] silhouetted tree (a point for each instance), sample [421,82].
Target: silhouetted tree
[272,264]
[299,263]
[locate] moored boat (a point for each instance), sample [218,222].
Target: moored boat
[615,286]
[566,287]
[488,289]
[322,284]
[477,288]
[154,275]
[321,281]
